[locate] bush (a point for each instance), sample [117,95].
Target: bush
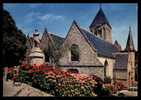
[106,92]
[61,83]
[110,87]
[10,73]
[121,94]
[107,80]
[24,77]
[118,85]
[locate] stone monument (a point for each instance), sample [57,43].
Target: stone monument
[36,55]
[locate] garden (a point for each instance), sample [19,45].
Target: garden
[57,82]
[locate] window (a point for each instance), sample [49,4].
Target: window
[74,52]
[105,67]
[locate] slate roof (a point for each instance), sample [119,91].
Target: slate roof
[121,61]
[118,45]
[57,40]
[100,19]
[51,39]
[103,48]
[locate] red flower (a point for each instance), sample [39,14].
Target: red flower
[14,78]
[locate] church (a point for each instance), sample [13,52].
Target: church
[91,51]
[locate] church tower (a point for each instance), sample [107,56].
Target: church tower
[130,44]
[131,59]
[101,27]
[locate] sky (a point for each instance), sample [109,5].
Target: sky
[57,18]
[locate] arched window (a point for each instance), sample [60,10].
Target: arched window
[105,67]
[106,63]
[74,52]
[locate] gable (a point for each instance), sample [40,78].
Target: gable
[88,56]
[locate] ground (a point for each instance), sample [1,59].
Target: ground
[21,90]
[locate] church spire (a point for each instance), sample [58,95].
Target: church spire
[100,26]
[100,6]
[130,44]
[100,19]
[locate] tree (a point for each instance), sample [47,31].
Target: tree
[13,43]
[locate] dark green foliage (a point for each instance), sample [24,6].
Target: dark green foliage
[9,76]
[100,91]
[106,92]
[13,45]
[23,76]
[121,95]
[107,80]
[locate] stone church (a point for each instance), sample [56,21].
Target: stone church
[92,51]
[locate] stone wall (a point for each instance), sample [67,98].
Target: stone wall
[109,67]
[87,54]
[106,32]
[120,74]
[131,68]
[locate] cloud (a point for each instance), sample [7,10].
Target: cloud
[37,17]
[51,17]
[31,17]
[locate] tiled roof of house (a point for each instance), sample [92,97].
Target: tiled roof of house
[100,19]
[103,48]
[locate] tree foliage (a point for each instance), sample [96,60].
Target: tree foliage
[13,44]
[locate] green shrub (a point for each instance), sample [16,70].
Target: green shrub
[107,80]
[24,77]
[106,92]
[9,76]
[121,94]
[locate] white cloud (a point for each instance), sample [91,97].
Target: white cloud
[51,17]
[32,16]
[38,17]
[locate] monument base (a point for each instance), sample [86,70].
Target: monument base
[36,56]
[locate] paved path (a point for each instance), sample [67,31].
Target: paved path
[22,90]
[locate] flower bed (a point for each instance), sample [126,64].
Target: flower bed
[57,82]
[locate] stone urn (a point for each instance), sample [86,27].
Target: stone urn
[36,56]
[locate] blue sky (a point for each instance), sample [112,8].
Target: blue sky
[57,18]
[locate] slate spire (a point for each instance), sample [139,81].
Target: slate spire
[130,44]
[100,19]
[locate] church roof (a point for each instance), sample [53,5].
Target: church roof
[100,19]
[130,44]
[50,38]
[57,40]
[103,48]
[121,61]
[117,45]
